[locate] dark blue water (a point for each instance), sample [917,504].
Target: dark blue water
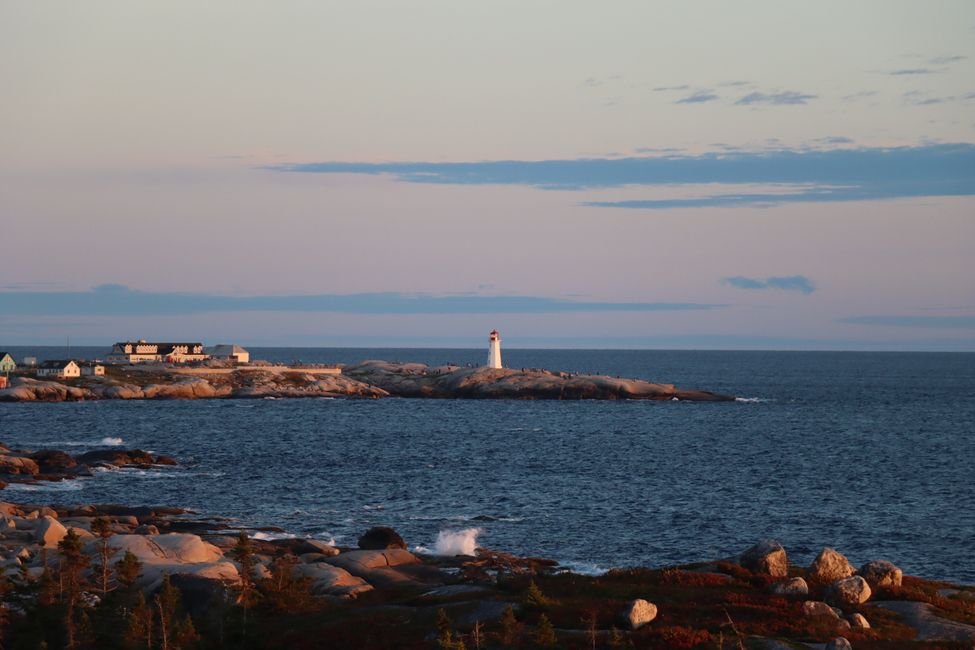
[871,453]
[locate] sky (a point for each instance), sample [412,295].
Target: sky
[633,174]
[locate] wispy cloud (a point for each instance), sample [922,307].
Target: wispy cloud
[906,72]
[699,97]
[939,322]
[798,283]
[827,175]
[116,300]
[784,98]
[945,60]
[660,89]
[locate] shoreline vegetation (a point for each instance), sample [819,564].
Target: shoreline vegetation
[119,576]
[366,380]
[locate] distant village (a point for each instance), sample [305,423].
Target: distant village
[123,353]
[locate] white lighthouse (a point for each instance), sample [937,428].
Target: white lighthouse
[494,350]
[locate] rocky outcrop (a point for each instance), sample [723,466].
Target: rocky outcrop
[419,380]
[849,592]
[830,565]
[640,612]
[838,643]
[56,465]
[766,557]
[792,587]
[381,538]
[881,573]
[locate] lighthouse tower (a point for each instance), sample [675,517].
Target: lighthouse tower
[494,350]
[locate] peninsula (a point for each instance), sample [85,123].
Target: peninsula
[369,379]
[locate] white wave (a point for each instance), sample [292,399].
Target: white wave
[456,542]
[108,441]
[46,486]
[753,400]
[267,536]
[582,568]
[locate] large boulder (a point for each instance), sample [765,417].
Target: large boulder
[328,580]
[839,643]
[766,557]
[858,620]
[881,573]
[18,465]
[381,538]
[639,613]
[829,566]
[849,592]
[48,531]
[791,587]
[53,461]
[819,609]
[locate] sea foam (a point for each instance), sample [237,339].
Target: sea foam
[456,542]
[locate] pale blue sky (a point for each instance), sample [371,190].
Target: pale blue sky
[321,172]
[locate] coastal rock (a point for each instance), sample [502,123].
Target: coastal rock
[791,587]
[49,531]
[332,580]
[18,465]
[881,573]
[388,568]
[830,565]
[381,537]
[299,547]
[849,592]
[819,609]
[766,557]
[170,548]
[858,621]
[53,461]
[839,643]
[639,613]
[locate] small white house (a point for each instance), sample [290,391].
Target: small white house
[230,351]
[92,369]
[7,363]
[59,369]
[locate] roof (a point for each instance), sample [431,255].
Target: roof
[56,363]
[162,345]
[225,348]
[4,353]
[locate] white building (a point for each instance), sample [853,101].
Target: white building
[230,351]
[59,369]
[7,363]
[142,351]
[92,369]
[494,350]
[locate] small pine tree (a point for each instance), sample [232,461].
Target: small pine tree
[243,552]
[139,624]
[445,635]
[534,597]
[72,581]
[544,636]
[103,530]
[127,569]
[510,628]
[283,591]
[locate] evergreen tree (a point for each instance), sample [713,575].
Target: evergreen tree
[544,636]
[127,569]
[534,597]
[102,528]
[71,582]
[510,628]
[243,552]
[283,591]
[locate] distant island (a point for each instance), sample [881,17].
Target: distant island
[369,379]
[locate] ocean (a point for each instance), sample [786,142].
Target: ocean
[870,453]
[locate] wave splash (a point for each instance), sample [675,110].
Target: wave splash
[457,542]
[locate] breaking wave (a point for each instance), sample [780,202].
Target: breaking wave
[47,486]
[456,542]
[108,441]
[753,400]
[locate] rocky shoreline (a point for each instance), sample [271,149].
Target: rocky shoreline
[294,592]
[366,380]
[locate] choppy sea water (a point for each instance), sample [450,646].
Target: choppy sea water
[871,453]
